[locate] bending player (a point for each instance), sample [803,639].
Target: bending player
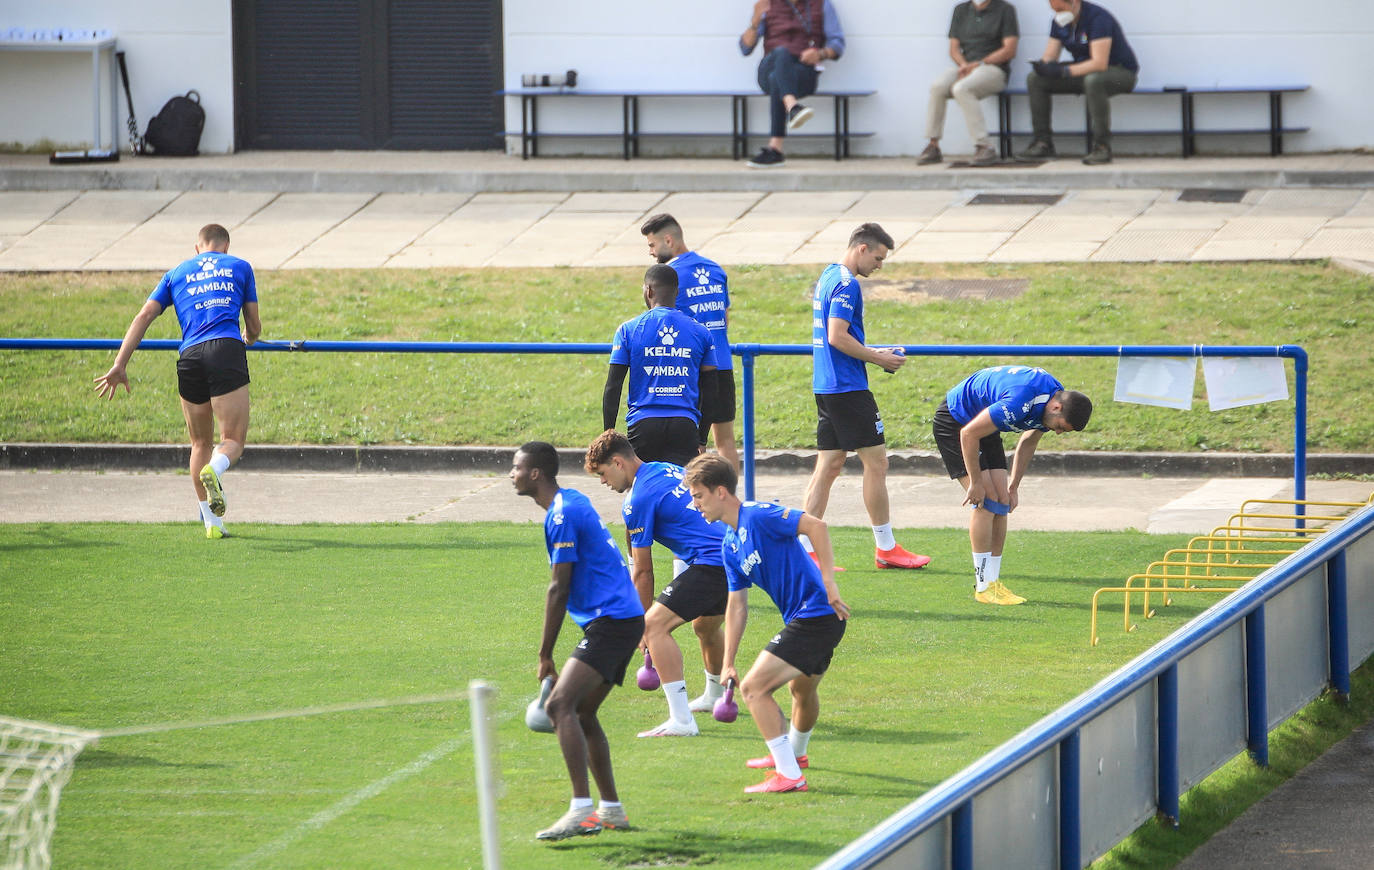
[968,430]
[592,585]
[761,549]
[209,292]
[658,508]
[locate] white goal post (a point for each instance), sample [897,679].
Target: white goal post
[35,762]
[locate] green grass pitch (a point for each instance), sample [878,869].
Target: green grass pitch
[109,626]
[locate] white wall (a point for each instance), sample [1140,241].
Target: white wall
[171,46]
[897,46]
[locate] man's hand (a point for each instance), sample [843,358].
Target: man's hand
[966,68]
[107,384]
[1050,69]
[890,358]
[975,494]
[841,609]
[810,56]
[546,669]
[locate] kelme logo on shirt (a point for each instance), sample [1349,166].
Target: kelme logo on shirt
[702,275]
[667,335]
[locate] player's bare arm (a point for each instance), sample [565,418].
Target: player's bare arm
[837,332]
[555,607]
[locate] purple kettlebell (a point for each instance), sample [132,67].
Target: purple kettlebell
[726,710]
[646,676]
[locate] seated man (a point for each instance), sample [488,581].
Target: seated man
[968,431]
[982,41]
[797,36]
[1103,65]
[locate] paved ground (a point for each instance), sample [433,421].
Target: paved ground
[1188,505]
[403,210]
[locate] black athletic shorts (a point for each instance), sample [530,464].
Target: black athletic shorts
[608,644]
[991,453]
[698,591]
[723,411]
[848,421]
[212,368]
[807,644]
[664,439]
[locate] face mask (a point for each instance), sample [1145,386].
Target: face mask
[1063,19]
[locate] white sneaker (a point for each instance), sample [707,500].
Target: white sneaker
[673,728]
[703,703]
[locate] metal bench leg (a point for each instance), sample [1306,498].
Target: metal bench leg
[1004,124]
[1275,123]
[1189,140]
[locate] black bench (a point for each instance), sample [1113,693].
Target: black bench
[630,131]
[1188,130]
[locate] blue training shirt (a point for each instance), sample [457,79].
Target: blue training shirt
[208,292]
[703,293]
[1095,23]
[836,294]
[1014,396]
[665,350]
[658,507]
[600,578]
[763,551]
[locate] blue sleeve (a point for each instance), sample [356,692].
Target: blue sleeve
[562,540]
[620,347]
[842,303]
[162,294]
[734,580]
[747,50]
[834,34]
[639,519]
[250,284]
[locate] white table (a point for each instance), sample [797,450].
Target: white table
[94,48]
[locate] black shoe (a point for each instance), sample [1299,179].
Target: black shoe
[930,155]
[768,158]
[798,115]
[1099,155]
[1037,150]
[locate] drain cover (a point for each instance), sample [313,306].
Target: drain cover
[1016,199]
[1211,194]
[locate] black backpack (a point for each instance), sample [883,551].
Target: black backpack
[175,131]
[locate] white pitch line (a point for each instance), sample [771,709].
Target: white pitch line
[375,703]
[325,816]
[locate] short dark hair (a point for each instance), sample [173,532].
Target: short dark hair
[543,456]
[711,470]
[1078,409]
[871,234]
[607,444]
[662,222]
[214,236]
[663,281]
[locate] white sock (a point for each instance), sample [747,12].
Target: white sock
[713,687]
[220,463]
[799,740]
[882,536]
[784,761]
[994,568]
[676,693]
[578,803]
[806,543]
[980,571]
[608,805]
[678,567]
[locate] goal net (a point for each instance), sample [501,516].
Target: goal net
[35,762]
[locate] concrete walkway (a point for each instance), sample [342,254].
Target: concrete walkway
[406,210]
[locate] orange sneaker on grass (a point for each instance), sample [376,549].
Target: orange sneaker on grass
[817,560]
[776,782]
[766,762]
[898,557]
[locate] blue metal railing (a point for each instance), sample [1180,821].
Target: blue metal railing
[748,353]
[1059,731]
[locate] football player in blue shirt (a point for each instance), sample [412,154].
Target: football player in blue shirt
[590,583]
[761,549]
[849,418]
[659,508]
[209,292]
[703,292]
[968,430]
[668,357]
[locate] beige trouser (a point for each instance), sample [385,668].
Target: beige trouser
[984,81]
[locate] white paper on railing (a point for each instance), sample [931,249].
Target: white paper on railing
[1233,382]
[1165,381]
